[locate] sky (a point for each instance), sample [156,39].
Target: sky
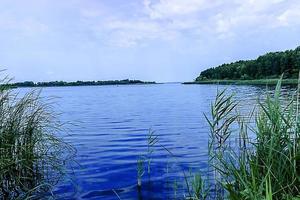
[154,40]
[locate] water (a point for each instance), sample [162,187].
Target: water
[110,133]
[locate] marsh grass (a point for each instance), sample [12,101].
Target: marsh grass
[152,139]
[264,166]
[140,170]
[32,156]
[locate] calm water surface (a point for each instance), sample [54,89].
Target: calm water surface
[110,132]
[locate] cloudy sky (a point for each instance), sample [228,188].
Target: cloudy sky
[160,40]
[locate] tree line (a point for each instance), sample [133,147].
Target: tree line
[270,65]
[77,83]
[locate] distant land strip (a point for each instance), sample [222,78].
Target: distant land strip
[246,82]
[78,83]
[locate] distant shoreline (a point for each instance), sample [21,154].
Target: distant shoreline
[78,83]
[246,82]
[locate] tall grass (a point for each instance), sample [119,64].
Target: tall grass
[32,156]
[265,165]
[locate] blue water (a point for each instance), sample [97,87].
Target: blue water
[110,130]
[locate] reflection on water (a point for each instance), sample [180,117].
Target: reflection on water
[112,124]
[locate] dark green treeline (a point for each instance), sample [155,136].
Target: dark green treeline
[77,83]
[270,65]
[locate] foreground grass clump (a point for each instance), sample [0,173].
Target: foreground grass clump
[264,161]
[32,156]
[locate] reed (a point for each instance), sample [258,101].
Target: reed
[140,171]
[199,189]
[152,139]
[265,165]
[32,156]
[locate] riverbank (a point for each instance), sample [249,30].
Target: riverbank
[246,82]
[79,83]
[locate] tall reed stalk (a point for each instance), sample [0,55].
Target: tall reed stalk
[265,165]
[32,155]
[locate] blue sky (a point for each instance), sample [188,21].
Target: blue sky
[160,40]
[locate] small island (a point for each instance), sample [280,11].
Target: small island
[79,83]
[265,70]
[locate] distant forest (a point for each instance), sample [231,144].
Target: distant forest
[270,65]
[77,83]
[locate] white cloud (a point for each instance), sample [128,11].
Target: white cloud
[170,20]
[290,17]
[172,8]
[26,27]
[248,16]
[163,20]
[18,27]
[90,13]
[128,33]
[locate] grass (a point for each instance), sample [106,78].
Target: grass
[247,82]
[152,139]
[32,156]
[266,166]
